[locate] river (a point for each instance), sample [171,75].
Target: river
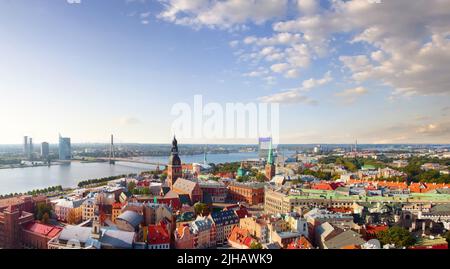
[26,179]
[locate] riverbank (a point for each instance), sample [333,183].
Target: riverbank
[14,180]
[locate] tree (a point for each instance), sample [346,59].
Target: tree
[261,177]
[396,235]
[200,209]
[131,186]
[255,245]
[72,217]
[447,237]
[45,218]
[42,209]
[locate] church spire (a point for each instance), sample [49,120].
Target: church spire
[270,155]
[174,145]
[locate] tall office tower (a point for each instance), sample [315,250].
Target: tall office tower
[65,151]
[45,150]
[25,146]
[264,145]
[174,169]
[31,149]
[111,151]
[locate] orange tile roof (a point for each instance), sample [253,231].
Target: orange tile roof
[352,247]
[413,187]
[301,243]
[240,236]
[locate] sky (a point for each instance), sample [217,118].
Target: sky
[375,71]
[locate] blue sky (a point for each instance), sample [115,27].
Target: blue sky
[340,71]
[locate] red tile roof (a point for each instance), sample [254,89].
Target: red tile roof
[372,230]
[42,229]
[117,206]
[242,213]
[414,187]
[441,246]
[157,235]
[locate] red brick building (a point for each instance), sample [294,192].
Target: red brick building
[251,193]
[15,212]
[36,235]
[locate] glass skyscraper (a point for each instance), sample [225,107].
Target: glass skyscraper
[65,151]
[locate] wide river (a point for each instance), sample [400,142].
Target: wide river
[26,179]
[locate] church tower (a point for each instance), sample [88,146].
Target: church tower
[270,165]
[174,167]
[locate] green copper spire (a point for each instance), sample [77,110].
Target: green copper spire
[270,155]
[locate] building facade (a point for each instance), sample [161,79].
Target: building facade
[251,193]
[64,148]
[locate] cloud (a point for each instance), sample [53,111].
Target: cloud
[408,53]
[288,97]
[145,15]
[312,83]
[279,68]
[234,43]
[308,6]
[402,132]
[260,72]
[231,14]
[292,73]
[350,95]
[127,120]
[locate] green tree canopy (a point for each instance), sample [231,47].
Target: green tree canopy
[398,236]
[200,209]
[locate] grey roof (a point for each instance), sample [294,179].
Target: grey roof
[324,229]
[440,209]
[272,246]
[117,239]
[285,235]
[443,191]
[131,217]
[75,233]
[346,238]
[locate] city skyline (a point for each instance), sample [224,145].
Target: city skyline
[88,69]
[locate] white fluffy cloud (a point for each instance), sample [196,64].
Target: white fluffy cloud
[408,45]
[350,95]
[221,14]
[312,83]
[288,97]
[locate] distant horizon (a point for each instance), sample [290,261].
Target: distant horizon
[239,144]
